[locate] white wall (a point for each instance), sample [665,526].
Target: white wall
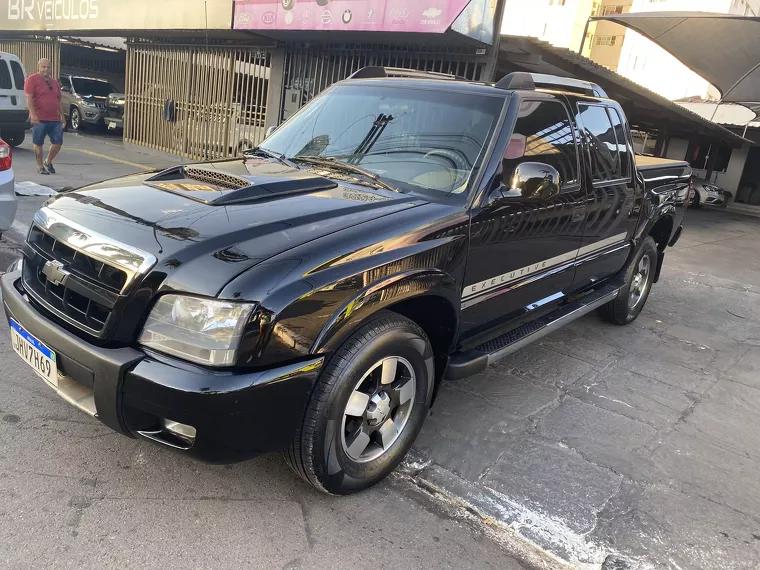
[677,149]
[561,26]
[730,179]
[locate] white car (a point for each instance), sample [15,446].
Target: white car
[8,200]
[14,115]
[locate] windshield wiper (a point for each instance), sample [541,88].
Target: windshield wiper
[279,157]
[338,165]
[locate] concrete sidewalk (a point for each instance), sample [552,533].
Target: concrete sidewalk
[632,446]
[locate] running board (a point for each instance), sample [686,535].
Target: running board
[472,362]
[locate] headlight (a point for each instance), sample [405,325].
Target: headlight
[205,331]
[90,104]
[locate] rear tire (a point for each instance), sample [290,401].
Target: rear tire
[695,203]
[14,139]
[367,407]
[639,276]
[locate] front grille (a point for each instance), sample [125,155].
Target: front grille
[87,296]
[104,275]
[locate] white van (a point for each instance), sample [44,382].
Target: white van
[14,114]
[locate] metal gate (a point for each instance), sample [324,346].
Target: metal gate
[309,69]
[30,52]
[194,101]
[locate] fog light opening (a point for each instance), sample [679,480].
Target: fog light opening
[181,431]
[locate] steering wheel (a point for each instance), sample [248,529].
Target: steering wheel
[457,162]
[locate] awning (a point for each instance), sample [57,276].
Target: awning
[722,48]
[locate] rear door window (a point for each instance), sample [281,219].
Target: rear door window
[544,133]
[5,76]
[608,147]
[18,75]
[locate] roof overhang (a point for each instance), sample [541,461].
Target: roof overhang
[722,48]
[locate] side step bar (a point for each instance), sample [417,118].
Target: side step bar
[474,361]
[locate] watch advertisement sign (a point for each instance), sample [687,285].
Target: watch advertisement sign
[422,16]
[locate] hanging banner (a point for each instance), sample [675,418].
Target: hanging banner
[424,16]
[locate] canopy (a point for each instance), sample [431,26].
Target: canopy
[722,48]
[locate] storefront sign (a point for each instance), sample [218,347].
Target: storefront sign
[114,15]
[425,16]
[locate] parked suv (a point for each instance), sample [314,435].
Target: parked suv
[14,114]
[401,229]
[86,100]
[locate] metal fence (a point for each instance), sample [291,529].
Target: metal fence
[30,52]
[195,101]
[309,69]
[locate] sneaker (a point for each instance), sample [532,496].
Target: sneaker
[49,167]
[43,170]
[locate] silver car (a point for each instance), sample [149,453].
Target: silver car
[708,193]
[85,100]
[8,200]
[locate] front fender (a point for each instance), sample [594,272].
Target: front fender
[386,293]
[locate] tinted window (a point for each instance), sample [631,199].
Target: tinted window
[18,74]
[603,145]
[5,76]
[543,133]
[622,142]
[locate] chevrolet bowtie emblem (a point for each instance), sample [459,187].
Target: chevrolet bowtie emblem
[55,272]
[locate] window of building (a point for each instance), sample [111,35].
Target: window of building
[608,146]
[606,40]
[596,8]
[543,133]
[699,155]
[5,76]
[612,10]
[18,74]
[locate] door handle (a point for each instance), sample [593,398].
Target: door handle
[579,213]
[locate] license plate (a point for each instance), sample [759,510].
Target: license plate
[37,355]
[112,125]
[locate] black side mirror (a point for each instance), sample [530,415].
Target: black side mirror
[532,181]
[269,132]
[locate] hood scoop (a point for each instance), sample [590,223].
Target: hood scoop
[238,182]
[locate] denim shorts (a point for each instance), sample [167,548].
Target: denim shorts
[52,129]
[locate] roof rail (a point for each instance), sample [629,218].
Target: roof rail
[532,81]
[380,72]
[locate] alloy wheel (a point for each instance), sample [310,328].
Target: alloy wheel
[641,282]
[378,409]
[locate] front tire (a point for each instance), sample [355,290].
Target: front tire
[76,119]
[367,408]
[14,139]
[639,276]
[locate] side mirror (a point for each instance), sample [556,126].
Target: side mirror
[269,132]
[65,89]
[532,181]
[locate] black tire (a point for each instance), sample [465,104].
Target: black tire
[319,452]
[621,311]
[14,139]
[75,119]
[695,203]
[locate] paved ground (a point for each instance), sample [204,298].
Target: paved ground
[629,447]
[638,443]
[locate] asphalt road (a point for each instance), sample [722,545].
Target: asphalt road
[76,495]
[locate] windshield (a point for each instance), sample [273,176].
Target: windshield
[86,87]
[409,138]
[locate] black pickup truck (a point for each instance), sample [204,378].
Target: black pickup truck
[402,229]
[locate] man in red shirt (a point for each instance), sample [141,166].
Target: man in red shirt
[43,97]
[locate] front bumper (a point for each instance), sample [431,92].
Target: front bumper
[235,416]
[93,116]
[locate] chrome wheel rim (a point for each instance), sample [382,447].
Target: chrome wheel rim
[640,283]
[378,409]
[75,119]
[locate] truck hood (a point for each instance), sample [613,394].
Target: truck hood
[205,231]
